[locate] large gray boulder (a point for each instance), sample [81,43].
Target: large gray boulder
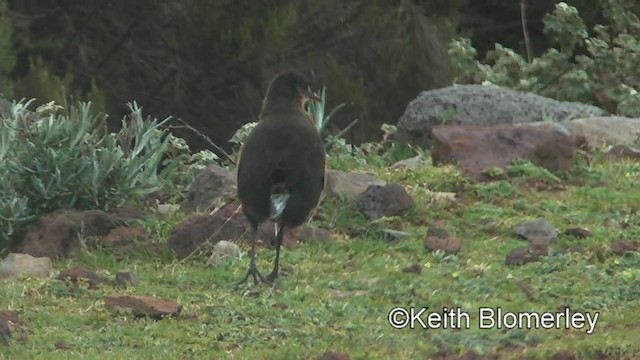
[603,131]
[481,105]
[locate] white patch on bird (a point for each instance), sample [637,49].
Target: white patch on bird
[278,203]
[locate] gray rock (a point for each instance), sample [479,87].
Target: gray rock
[210,188]
[388,200]
[602,131]
[221,250]
[16,265]
[348,185]
[126,278]
[481,105]
[538,230]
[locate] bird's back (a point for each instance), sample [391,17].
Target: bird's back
[284,152]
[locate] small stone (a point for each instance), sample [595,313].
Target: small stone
[620,247]
[449,245]
[332,355]
[223,249]
[142,306]
[578,232]
[348,185]
[526,255]
[61,345]
[563,355]
[16,265]
[126,278]
[311,234]
[388,200]
[536,230]
[81,275]
[414,269]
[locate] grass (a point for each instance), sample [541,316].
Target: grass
[338,296]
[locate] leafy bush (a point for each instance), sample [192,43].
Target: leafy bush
[600,67]
[58,159]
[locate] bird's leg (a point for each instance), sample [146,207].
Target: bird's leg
[274,274]
[253,267]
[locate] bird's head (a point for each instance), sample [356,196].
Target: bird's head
[290,87]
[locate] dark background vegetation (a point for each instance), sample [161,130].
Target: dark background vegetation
[209,61]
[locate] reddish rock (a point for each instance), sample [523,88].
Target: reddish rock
[332,355]
[475,148]
[388,200]
[578,232]
[55,235]
[528,254]
[563,355]
[81,275]
[449,245]
[123,235]
[142,306]
[620,247]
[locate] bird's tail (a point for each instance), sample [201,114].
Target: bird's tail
[278,201]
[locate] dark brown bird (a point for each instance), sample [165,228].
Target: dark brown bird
[281,165]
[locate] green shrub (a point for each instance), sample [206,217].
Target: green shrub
[600,67]
[61,159]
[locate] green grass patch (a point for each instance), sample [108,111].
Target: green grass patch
[338,296]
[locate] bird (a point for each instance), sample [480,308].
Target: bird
[281,166]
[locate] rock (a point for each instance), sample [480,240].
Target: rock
[413,269]
[126,277]
[311,234]
[81,275]
[56,234]
[578,232]
[476,148]
[388,200]
[602,131]
[61,345]
[193,233]
[332,355]
[563,355]
[123,236]
[410,162]
[438,239]
[212,187]
[449,245]
[536,230]
[623,152]
[223,249]
[619,247]
[16,265]
[526,255]
[480,105]
[348,186]
[142,306]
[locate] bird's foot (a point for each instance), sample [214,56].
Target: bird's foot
[257,275]
[272,276]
